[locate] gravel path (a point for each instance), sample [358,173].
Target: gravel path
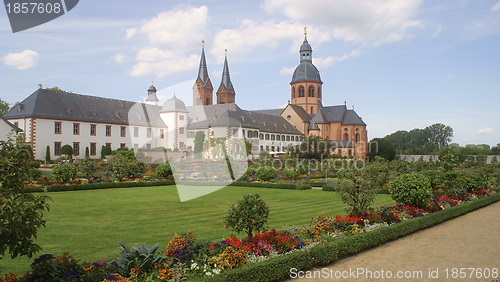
[433,254]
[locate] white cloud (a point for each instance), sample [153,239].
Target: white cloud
[359,21]
[287,71]
[495,7]
[23,60]
[172,37]
[119,58]
[329,61]
[485,131]
[251,36]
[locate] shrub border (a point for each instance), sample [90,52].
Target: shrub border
[279,267]
[95,186]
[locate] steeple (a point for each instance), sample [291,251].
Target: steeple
[203,71]
[226,93]
[152,99]
[305,50]
[203,89]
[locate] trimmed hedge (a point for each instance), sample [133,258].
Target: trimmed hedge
[279,267]
[94,186]
[265,185]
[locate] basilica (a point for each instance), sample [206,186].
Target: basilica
[51,119]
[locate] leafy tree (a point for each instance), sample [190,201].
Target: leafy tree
[21,213]
[64,173]
[105,151]
[381,147]
[4,107]
[55,88]
[411,189]
[495,150]
[440,134]
[199,138]
[122,167]
[248,215]
[47,155]
[265,173]
[67,150]
[129,154]
[88,167]
[164,170]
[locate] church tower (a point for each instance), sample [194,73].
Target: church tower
[225,94]
[152,99]
[306,82]
[203,89]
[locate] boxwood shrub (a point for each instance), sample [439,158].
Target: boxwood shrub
[93,186]
[279,267]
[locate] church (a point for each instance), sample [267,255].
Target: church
[51,119]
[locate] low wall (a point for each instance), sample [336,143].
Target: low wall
[414,158]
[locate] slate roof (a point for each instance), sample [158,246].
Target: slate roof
[203,116]
[306,71]
[52,104]
[273,112]
[174,104]
[352,118]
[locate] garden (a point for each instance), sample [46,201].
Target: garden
[269,218]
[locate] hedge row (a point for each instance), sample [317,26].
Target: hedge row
[265,185]
[94,186]
[279,267]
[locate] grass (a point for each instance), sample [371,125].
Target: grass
[89,223]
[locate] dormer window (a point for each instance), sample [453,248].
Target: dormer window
[118,114]
[93,112]
[68,110]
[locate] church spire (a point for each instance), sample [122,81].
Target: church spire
[226,93]
[203,71]
[202,89]
[152,99]
[226,79]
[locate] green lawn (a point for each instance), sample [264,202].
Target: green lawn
[89,224]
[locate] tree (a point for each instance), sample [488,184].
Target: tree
[87,153]
[199,138]
[21,213]
[4,107]
[249,215]
[67,150]
[381,147]
[105,151]
[495,150]
[88,167]
[55,88]
[164,170]
[440,134]
[411,189]
[64,173]
[47,155]
[122,167]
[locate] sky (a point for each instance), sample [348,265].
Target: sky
[402,64]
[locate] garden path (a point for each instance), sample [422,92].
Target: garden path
[469,241]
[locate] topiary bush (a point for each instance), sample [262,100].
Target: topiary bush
[411,189]
[304,187]
[64,173]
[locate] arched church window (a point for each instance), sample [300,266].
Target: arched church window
[357,137]
[311,91]
[293,92]
[301,91]
[346,137]
[312,110]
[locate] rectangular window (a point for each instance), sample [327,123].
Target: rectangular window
[181,130]
[136,145]
[76,148]
[181,145]
[261,148]
[250,134]
[181,117]
[162,133]
[123,145]
[267,148]
[108,130]
[191,134]
[76,129]
[136,131]
[16,123]
[93,149]
[57,148]
[123,131]
[57,127]
[93,129]
[149,133]
[148,146]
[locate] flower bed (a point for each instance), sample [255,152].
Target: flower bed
[272,253]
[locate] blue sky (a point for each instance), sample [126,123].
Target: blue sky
[402,64]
